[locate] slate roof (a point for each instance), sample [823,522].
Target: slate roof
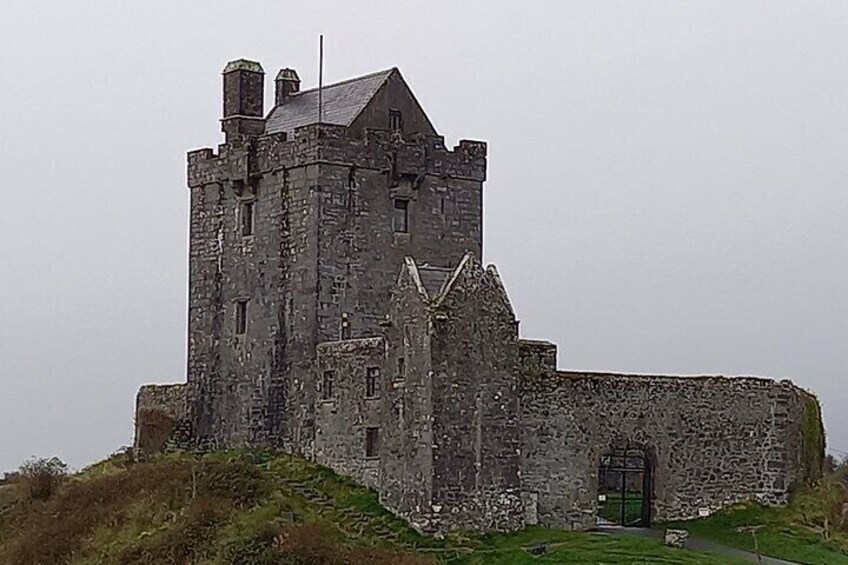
[434,279]
[342,102]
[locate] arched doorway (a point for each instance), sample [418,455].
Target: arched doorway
[624,488]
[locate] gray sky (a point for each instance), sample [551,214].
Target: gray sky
[667,184]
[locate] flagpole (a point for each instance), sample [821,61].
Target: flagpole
[321,78]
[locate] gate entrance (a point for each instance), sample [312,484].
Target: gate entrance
[624,488]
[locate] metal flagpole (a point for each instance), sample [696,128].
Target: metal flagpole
[321,78]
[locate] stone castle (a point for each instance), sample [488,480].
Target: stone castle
[338,310]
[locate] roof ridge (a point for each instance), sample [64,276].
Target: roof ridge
[349,80]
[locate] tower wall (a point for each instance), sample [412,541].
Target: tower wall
[359,254]
[323,251]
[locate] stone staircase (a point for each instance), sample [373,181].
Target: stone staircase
[349,520]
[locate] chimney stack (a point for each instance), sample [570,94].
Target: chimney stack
[244,86]
[287,83]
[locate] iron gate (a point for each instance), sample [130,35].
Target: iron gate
[624,488]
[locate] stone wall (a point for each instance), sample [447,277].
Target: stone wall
[711,441]
[537,355]
[344,413]
[160,412]
[406,450]
[475,403]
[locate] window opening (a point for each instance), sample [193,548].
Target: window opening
[327,385]
[372,442]
[241,317]
[372,382]
[395,120]
[400,219]
[351,189]
[247,218]
[345,327]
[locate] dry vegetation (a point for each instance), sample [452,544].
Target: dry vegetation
[174,510]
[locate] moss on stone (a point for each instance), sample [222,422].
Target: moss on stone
[812,440]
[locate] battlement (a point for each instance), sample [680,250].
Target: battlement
[378,149]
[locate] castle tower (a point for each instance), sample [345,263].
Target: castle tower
[298,231]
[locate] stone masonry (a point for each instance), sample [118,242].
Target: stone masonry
[338,311]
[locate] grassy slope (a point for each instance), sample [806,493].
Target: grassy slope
[238,508]
[796,533]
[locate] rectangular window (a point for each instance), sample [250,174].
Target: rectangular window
[247,218]
[372,442]
[401,367]
[400,219]
[241,317]
[345,327]
[327,385]
[395,120]
[372,382]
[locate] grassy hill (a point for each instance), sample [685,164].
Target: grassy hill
[251,508]
[812,529]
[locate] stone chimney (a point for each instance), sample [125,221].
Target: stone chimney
[287,83]
[244,86]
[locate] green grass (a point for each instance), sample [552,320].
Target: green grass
[582,549]
[809,530]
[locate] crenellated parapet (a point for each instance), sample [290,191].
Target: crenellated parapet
[380,150]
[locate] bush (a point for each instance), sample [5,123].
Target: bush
[41,477]
[312,544]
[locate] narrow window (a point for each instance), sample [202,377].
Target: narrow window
[372,382]
[372,442]
[351,189]
[247,218]
[241,317]
[442,205]
[400,219]
[401,367]
[327,385]
[345,327]
[395,120]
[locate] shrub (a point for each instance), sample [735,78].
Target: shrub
[41,477]
[312,544]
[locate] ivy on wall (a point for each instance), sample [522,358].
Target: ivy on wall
[812,440]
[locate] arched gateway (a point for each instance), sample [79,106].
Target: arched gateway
[624,488]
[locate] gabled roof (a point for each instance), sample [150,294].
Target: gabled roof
[342,102]
[434,279]
[434,284]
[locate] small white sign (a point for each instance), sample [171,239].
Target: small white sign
[703,512]
[602,498]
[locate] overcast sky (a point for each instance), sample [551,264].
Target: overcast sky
[668,182]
